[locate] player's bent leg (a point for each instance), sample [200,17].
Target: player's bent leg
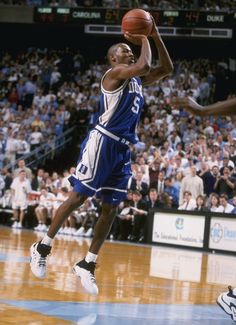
[39,251]
[227,301]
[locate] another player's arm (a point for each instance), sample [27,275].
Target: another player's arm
[165,66]
[226,107]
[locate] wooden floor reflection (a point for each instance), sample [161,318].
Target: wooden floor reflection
[126,274]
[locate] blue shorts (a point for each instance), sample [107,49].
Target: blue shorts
[103,168]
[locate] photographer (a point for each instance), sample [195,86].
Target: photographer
[225,184]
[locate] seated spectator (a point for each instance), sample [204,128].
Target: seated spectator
[139,215]
[88,215]
[200,204]
[227,208]
[188,202]
[137,184]
[44,209]
[214,203]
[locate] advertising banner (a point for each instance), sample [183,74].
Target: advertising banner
[223,234]
[178,229]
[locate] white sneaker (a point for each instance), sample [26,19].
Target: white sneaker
[227,301]
[19,225]
[43,227]
[89,232]
[38,254]
[14,225]
[86,273]
[80,232]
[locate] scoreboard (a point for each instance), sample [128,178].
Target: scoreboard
[166,18]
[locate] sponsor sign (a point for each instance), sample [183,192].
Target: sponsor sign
[178,229]
[223,234]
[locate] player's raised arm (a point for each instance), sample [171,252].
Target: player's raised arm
[165,66]
[226,107]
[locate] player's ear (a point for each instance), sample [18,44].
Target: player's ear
[112,58]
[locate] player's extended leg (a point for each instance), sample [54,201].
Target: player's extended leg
[40,250]
[85,268]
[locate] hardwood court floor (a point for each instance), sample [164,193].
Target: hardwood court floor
[139,284]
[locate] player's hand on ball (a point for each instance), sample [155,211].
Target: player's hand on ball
[155,31]
[135,39]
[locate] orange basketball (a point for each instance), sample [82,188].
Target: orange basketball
[137,21]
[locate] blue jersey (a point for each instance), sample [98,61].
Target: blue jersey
[120,109]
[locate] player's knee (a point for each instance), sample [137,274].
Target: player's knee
[75,200]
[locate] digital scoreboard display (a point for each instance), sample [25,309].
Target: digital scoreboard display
[168,18]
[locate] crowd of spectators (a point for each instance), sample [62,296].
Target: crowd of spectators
[180,162]
[209,5]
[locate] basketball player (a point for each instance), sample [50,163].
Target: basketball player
[226,300]
[104,163]
[226,107]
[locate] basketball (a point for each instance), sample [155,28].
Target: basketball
[137,21]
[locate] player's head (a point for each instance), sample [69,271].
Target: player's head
[120,53]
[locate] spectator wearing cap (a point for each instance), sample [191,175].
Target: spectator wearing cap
[192,183]
[188,203]
[225,184]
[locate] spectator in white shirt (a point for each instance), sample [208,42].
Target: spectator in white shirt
[227,208]
[189,203]
[44,209]
[20,189]
[36,138]
[192,183]
[23,147]
[215,203]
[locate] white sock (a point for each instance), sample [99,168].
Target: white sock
[90,257]
[46,240]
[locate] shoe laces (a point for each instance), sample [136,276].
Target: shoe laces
[42,261]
